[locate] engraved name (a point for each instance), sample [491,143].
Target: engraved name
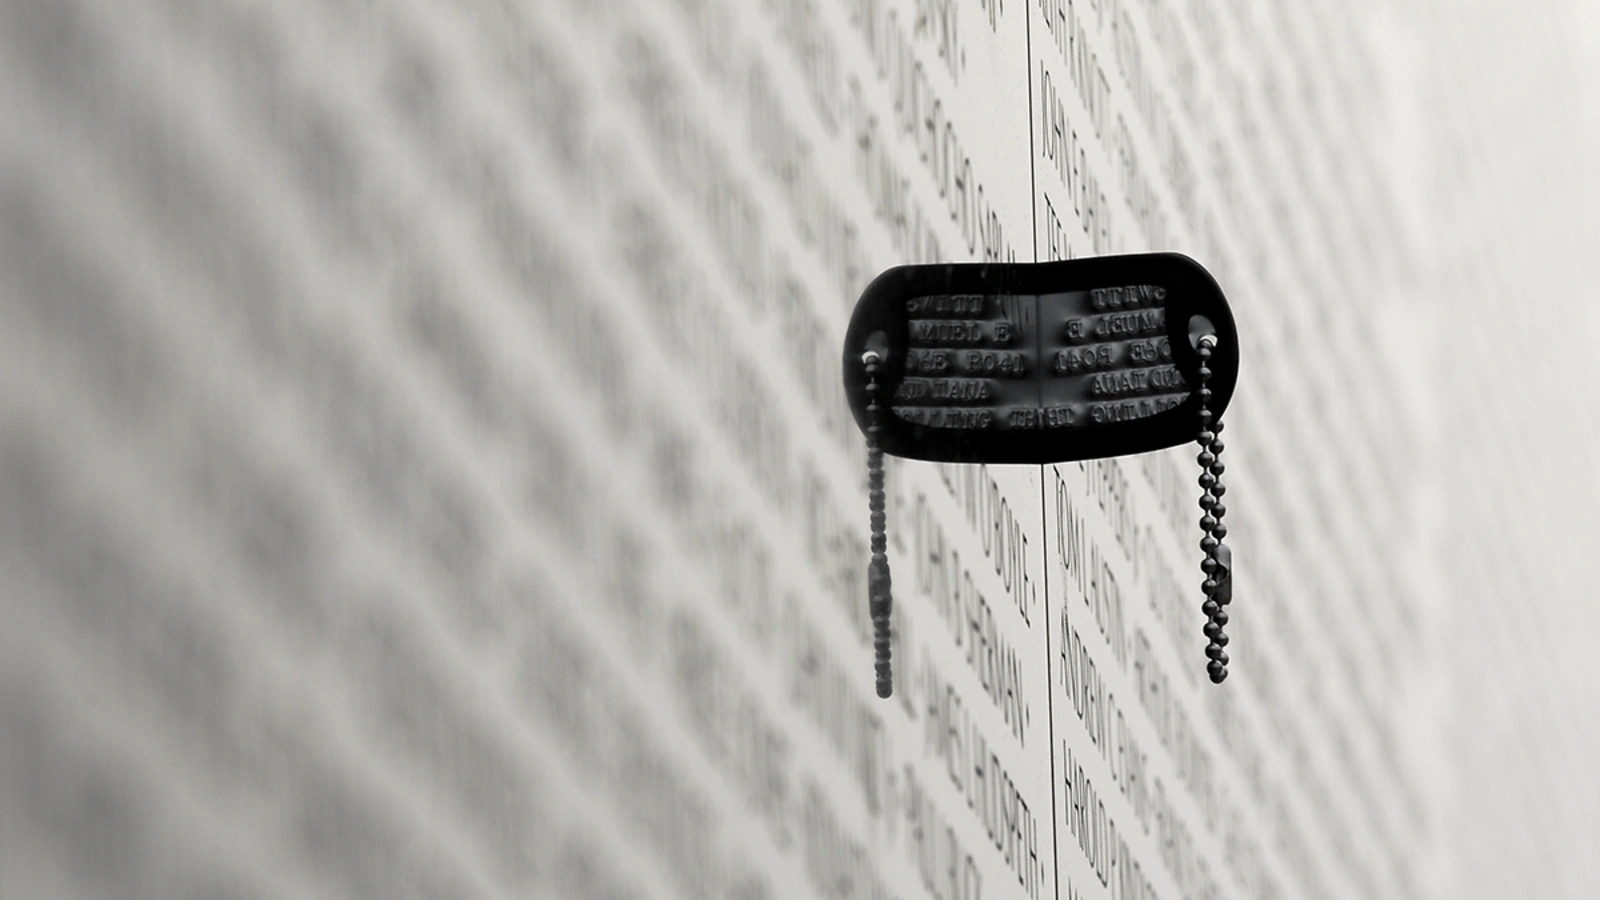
[1104,356]
[999,365]
[947,305]
[1131,324]
[1127,297]
[1163,379]
[962,331]
[1033,417]
[939,331]
[1026,417]
[1150,351]
[935,417]
[927,362]
[1128,410]
[1062,416]
[1082,359]
[944,390]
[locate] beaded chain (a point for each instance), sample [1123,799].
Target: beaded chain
[1218,563]
[878,597]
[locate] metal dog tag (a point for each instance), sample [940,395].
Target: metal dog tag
[1041,362]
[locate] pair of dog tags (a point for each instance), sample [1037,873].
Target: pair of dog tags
[1044,363]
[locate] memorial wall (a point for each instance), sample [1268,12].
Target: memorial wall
[425,469]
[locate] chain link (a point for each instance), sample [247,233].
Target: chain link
[1218,562]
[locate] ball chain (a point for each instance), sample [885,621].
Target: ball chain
[1218,562]
[1217,565]
[878,596]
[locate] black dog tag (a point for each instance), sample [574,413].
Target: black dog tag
[1041,362]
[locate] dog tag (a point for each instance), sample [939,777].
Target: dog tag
[1042,362]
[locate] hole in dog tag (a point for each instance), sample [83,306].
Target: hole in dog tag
[1042,362]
